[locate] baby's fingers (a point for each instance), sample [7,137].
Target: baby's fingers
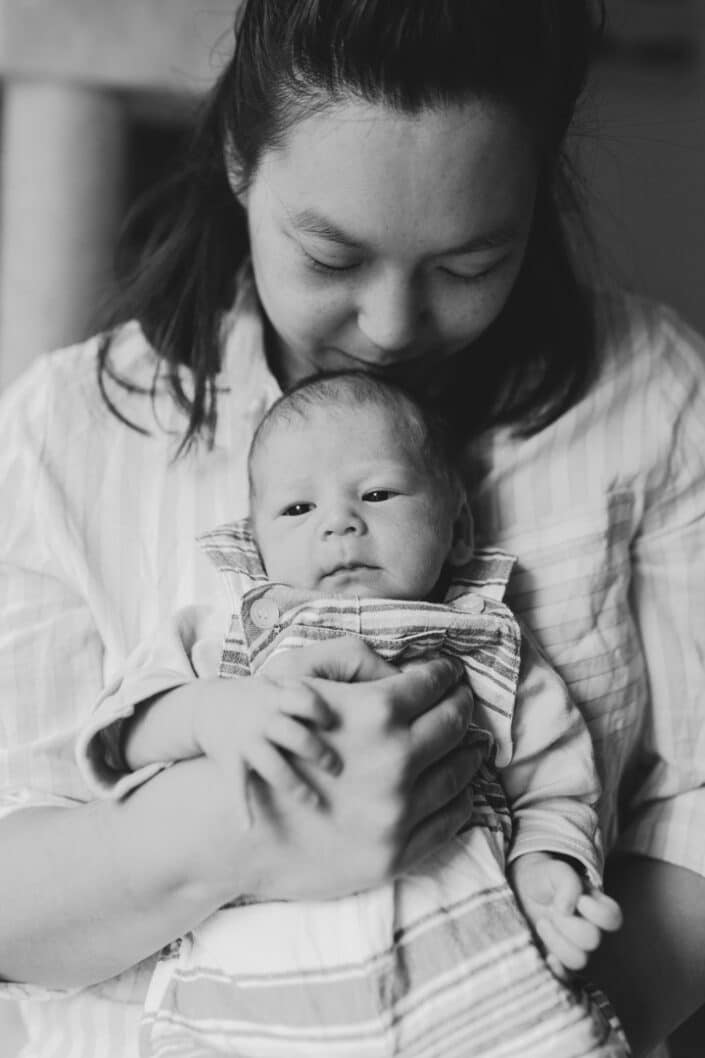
[271,764]
[301,700]
[601,910]
[569,939]
[302,741]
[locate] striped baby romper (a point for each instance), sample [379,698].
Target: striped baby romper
[439,963]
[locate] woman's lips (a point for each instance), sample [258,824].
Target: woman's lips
[383,365]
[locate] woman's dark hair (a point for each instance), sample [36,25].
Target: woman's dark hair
[292,58]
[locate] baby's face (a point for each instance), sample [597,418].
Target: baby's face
[342,504]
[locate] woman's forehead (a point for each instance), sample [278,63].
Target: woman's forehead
[365,174]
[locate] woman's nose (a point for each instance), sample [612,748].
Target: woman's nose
[389,312]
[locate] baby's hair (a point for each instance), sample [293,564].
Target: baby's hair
[426,431]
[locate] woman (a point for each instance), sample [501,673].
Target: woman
[393,172]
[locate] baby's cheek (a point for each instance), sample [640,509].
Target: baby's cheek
[422,575]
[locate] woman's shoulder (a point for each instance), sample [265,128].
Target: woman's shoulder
[62,388]
[645,413]
[647,340]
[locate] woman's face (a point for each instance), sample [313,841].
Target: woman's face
[389,241]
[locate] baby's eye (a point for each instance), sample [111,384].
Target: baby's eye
[378,495]
[295,510]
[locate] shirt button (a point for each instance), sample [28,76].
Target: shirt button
[264,613]
[472,603]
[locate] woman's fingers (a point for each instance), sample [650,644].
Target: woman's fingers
[243,802]
[437,829]
[438,730]
[272,766]
[424,705]
[344,659]
[291,735]
[441,784]
[421,686]
[441,802]
[300,699]
[400,736]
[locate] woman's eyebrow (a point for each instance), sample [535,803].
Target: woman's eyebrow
[314,223]
[501,236]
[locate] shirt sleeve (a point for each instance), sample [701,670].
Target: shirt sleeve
[51,653]
[551,782]
[185,648]
[664,787]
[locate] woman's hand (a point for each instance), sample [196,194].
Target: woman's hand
[405,785]
[269,731]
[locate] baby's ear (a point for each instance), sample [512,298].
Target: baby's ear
[463,545]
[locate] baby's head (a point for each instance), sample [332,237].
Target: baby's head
[353,491]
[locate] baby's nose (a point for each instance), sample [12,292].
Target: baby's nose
[343,522]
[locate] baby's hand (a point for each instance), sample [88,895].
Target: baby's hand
[568,920]
[262,725]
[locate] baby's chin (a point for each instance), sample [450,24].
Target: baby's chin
[363,583]
[366,582]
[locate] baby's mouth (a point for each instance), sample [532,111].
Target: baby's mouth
[348,567]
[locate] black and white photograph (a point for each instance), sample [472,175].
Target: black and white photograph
[352,529]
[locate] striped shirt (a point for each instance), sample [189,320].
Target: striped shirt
[605,509]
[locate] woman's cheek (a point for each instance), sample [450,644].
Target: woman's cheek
[480,309]
[320,309]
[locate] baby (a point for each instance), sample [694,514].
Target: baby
[360,526]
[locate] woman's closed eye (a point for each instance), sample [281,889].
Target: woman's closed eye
[329,267]
[470,275]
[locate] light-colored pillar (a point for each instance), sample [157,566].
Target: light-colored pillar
[61,192]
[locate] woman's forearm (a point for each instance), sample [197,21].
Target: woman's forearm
[653,970]
[86,892]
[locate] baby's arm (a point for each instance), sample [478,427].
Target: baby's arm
[555,858]
[247,724]
[148,717]
[568,915]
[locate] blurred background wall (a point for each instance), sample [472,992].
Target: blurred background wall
[96,95]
